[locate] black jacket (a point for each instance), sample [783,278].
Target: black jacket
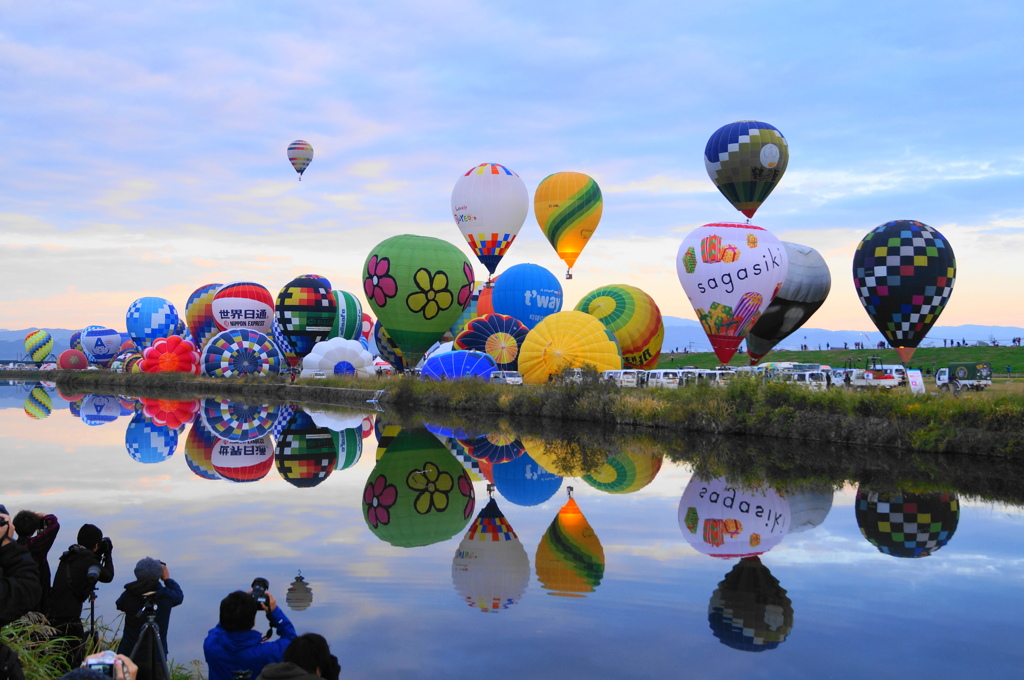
[71,586]
[133,599]
[19,582]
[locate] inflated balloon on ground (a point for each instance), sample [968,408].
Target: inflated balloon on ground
[305,310]
[38,345]
[243,305]
[497,335]
[459,364]
[338,357]
[567,340]
[527,292]
[199,314]
[633,317]
[240,352]
[149,319]
[348,318]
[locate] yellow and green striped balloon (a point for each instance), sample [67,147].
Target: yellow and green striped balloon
[38,345]
[633,317]
[568,206]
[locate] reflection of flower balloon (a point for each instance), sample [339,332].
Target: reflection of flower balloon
[570,559]
[499,335]
[905,524]
[725,520]
[238,352]
[170,355]
[750,610]
[491,569]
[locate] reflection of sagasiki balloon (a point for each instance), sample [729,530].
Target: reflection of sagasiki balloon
[243,305]
[38,345]
[489,204]
[570,558]
[567,340]
[300,155]
[745,160]
[568,207]
[417,286]
[459,364]
[905,524]
[150,318]
[750,610]
[725,520]
[806,286]
[527,292]
[199,314]
[243,461]
[239,352]
[491,569]
[417,493]
[633,317]
[305,311]
[731,272]
[498,335]
[904,272]
[306,454]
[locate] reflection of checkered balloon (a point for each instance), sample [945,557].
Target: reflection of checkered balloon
[907,524]
[904,272]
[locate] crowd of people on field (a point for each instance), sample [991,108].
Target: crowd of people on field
[234,649]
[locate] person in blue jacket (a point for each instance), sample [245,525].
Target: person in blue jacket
[148,574]
[233,650]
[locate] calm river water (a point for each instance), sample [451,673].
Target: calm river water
[616,579]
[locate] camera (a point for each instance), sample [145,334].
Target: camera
[259,591]
[104,663]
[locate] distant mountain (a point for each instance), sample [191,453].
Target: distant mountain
[12,343]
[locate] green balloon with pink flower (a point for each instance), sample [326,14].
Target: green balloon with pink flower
[418,286]
[418,493]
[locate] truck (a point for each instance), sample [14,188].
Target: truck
[964,375]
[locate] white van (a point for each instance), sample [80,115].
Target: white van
[624,378]
[814,380]
[663,377]
[506,378]
[714,377]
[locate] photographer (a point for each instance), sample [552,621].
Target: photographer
[148,574]
[233,650]
[37,532]
[308,657]
[19,575]
[80,567]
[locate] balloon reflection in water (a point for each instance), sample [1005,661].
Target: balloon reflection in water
[248,461]
[750,610]
[38,404]
[626,472]
[300,595]
[570,559]
[494,448]
[491,569]
[306,454]
[905,524]
[199,447]
[725,520]
[523,482]
[170,412]
[417,493]
[148,442]
[809,505]
[236,421]
[100,409]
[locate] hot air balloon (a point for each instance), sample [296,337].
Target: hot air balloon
[367,331]
[283,346]
[489,204]
[100,345]
[459,364]
[149,319]
[100,409]
[199,314]
[731,272]
[567,340]
[243,305]
[907,524]
[75,342]
[240,352]
[491,569]
[750,610]
[494,448]
[199,450]
[338,357]
[803,291]
[72,359]
[170,355]
[524,482]
[568,206]
[633,317]
[626,472]
[148,442]
[745,160]
[470,312]
[243,461]
[725,520]
[306,454]
[300,154]
[417,286]
[809,505]
[348,319]
[305,311]
[38,404]
[527,292]
[417,493]
[570,558]
[237,421]
[38,345]
[904,272]
[387,349]
[498,335]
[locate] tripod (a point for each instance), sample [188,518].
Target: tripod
[148,653]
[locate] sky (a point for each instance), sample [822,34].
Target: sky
[145,145]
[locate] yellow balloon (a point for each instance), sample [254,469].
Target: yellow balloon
[567,340]
[568,206]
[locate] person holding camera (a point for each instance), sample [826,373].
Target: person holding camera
[233,649]
[19,576]
[81,566]
[37,532]
[147,587]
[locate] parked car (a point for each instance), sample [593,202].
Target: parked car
[626,377]
[506,378]
[662,377]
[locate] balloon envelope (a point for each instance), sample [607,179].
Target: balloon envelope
[633,317]
[745,160]
[338,357]
[491,569]
[149,319]
[72,359]
[459,364]
[306,454]
[239,352]
[199,314]
[305,310]
[749,610]
[243,305]
[101,345]
[300,155]
[527,292]
[906,524]
[489,204]
[567,340]
[730,272]
[248,461]
[236,420]
[497,335]
[904,272]
[348,318]
[38,345]
[148,442]
[725,520]
[524,482]
[570,558]
[568,207]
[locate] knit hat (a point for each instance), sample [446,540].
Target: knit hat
[89,535]
[3,510]
[149,569]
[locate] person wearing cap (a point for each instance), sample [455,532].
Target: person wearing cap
[80,567]
[19,575]
[148,574]
[233,649]
[37,532]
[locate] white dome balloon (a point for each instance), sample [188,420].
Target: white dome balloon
[338,355]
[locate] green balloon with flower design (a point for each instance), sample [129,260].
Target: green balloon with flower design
[418,287]
[418,492]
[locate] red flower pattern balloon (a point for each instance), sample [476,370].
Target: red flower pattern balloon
[171,354]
